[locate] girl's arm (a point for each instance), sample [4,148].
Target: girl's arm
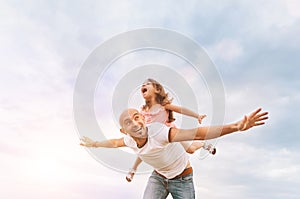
[112,143]
[185,111]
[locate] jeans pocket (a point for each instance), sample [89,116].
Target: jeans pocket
[187,178]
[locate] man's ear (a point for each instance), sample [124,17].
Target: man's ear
[122,130]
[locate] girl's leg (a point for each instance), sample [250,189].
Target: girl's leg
[192,146]
[210,148]
[195,146]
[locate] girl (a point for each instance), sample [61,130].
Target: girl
[158,108]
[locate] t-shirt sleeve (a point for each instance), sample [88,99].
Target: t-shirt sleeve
[160,132]
[128,141]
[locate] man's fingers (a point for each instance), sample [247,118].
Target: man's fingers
[259,118]
[255,113]
[261,114]
[85,139]
[259,123]
[254,119]
[82,144]
[262,118]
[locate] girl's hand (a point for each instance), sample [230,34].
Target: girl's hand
[200,118]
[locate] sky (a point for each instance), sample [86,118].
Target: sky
[44,44]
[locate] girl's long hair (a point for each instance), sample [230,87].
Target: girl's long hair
[161,97]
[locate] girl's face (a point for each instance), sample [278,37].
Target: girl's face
[148,90]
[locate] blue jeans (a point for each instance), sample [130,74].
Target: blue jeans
[159,187]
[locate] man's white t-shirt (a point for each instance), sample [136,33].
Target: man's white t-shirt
[168,159]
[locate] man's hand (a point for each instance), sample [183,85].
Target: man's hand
[87,142]
[254,119]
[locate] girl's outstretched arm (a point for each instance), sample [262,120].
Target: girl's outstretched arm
[185,111]
[112,143]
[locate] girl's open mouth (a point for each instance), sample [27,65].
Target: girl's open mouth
[144,90]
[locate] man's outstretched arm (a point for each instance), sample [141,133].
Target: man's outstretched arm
[112,143]
[256,118]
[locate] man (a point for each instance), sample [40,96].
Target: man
[157,145]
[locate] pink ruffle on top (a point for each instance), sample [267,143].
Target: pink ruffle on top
[157,114]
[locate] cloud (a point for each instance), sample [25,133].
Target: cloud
[226,50]
[239,168]
[293,7]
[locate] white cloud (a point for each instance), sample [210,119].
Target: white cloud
[239,168]
[226,50]
[293,7]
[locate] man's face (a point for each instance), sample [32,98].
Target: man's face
[132,122]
